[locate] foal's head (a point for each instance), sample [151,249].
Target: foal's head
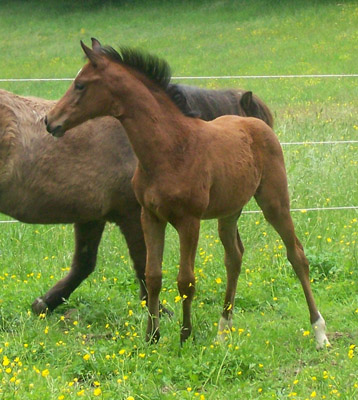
[87,97]
[101,86]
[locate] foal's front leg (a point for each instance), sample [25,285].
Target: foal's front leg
[188,229]
[154,234]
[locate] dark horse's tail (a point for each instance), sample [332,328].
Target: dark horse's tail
[210,104]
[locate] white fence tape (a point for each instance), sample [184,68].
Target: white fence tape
[302,210]
[307,76]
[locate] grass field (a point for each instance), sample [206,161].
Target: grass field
[93,346]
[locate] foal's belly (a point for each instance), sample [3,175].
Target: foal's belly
[229,199]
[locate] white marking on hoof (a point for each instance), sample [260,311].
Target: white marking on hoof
[319,329]
[39,306]
[225,326]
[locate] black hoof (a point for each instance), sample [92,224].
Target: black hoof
[39,306]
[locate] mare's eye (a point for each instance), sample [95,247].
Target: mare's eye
[79,86]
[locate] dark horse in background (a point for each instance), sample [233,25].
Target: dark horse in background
[85,178]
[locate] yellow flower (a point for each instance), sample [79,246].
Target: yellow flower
[130,398]
[5,361]
[45,373]
[218,280]
[313,394]
[86,357]
[97,392]
[306,333]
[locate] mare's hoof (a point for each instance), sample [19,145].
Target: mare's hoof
[39,306]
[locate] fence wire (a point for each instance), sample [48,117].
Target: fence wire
[294,76]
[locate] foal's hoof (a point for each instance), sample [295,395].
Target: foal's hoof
[39,306]
[184,334]
[319,329]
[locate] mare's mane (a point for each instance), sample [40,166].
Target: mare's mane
[154,68]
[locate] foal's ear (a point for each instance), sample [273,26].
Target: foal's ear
[93,56]
[96,45]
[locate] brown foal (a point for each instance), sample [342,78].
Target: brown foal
[188,170]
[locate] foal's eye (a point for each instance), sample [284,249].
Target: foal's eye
[79,86]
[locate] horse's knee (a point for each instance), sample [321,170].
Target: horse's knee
[186,286]
[154,284]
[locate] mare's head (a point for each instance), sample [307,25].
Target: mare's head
[87,97]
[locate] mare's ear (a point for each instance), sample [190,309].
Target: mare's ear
[96,45]
[94,58]
[248,103]
[246,100]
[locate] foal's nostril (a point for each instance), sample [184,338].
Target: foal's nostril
[45,120]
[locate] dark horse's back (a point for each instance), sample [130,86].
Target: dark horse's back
[210,104]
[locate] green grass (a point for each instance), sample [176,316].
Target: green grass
[96,340]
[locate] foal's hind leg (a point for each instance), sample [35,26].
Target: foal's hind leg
[87,236]
[234,250]
[273,199]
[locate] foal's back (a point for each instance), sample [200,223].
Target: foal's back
[237,153]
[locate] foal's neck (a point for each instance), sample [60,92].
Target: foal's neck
[153,125]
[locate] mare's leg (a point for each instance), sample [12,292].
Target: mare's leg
[88,236]
[188,230]
[273,199]
[154,234]
[131,228]
[234,250]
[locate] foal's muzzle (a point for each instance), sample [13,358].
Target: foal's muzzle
[56,131]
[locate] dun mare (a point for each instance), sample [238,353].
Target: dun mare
[35,186]
[188,170]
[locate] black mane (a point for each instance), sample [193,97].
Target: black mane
[154,68]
